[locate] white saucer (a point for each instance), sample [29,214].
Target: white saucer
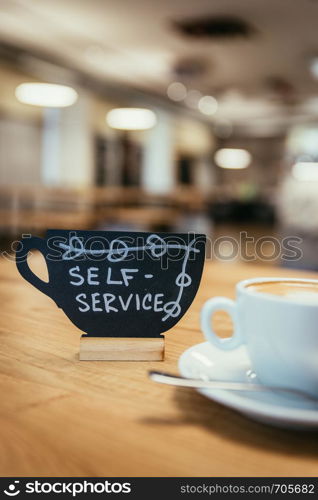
[205,361]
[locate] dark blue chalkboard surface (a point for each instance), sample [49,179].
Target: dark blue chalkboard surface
[118,284]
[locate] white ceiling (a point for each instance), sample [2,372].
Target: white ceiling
[133,42]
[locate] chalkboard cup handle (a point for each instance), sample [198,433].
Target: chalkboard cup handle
[21,256]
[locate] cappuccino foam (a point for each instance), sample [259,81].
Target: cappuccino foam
[298,291]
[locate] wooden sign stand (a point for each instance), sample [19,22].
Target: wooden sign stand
[121,349]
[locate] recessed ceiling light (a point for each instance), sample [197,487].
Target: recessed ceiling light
[46,94]
[208,105]
[131,118]
[233,158]
[176,91]
[305,171]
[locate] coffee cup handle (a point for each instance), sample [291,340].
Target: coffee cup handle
[21,258]
[209,308]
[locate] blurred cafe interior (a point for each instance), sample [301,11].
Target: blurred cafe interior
[161,116]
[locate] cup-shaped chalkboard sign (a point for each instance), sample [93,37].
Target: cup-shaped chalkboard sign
[118,284]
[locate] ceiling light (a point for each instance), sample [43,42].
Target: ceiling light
[176,91]
[208,105]
[305,171]
[131,118]
[46,94]
[232,158]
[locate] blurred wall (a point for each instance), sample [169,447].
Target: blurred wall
[20,151]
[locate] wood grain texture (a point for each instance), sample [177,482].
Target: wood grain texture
[62,417]
[121,349]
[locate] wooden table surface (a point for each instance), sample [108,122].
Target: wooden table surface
[62,417]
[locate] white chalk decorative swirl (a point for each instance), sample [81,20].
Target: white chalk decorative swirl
[156,245]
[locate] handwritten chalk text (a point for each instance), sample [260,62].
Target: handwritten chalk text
[92,276]
[108,302]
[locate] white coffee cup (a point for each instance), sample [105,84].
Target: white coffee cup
[280,332]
